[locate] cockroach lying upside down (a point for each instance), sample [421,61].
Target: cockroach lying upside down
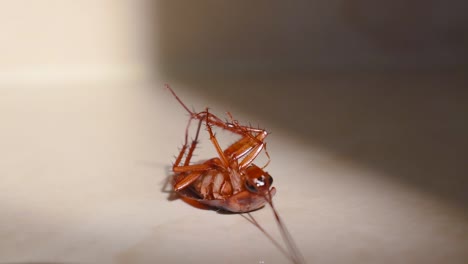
[230,181]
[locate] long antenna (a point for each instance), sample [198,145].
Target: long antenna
[252,220]
[177,98]
[296,255]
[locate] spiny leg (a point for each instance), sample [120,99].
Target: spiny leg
[268,156]
[194,172]
[192,116]
[213,139]
[193,145]
[259,144]
[183,183]
[184,148]
[232,126]
[214,120]
[238,149]
[179,157]
[244,145]
[247,143]
[249,158]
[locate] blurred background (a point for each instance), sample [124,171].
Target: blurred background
[367,103]
[216,37]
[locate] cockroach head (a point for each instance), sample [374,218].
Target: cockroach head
[257,180]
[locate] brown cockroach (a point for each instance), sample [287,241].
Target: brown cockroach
[230,181]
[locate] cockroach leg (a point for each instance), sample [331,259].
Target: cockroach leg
[184,148]
[196,170]
[193,145]
[268,156]
[195,167]
[178,99]
[179,157]
[240,148]
[187,180]
[230,181]
[213,139]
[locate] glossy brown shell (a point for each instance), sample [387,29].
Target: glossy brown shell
[241,202]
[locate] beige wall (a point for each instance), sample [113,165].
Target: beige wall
[52,40]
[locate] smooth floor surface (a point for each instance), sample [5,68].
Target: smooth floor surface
[358,174]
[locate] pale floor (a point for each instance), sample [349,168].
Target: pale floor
[368,174]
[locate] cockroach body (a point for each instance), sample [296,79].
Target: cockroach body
[230,181]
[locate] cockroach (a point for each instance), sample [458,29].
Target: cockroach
[230,181]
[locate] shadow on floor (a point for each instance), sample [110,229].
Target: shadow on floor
[410,127]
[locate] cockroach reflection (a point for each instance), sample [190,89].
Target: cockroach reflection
[230,181]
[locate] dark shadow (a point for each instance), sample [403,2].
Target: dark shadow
[224,212]
[167,186]
[172,195]
[409,125]
[37,262]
